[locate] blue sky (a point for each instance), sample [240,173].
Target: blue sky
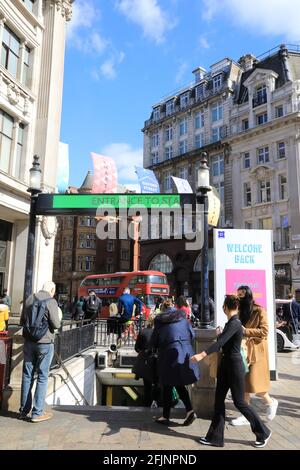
[123,56]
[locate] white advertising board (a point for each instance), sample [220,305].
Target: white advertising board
[245,257]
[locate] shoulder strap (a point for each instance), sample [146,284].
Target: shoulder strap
[293,321]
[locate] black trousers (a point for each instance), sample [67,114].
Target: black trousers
[231,376]
[167,399]
[151,392]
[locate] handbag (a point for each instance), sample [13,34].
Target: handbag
[175,397]
[244,358]
[145,366]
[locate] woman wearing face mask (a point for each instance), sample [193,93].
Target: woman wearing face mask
[255,330]
[231,375]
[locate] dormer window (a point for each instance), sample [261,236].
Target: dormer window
[184,99]
[199,91]
[169,107]
[217,82]
[156,114]
[260,96]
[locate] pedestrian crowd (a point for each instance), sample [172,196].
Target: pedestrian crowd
[166,360]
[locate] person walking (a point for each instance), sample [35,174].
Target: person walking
[77,309]
[295,315]
[182,304]
[231,375]
[39,319]
[255,330]
[145,365]
[92,306]
[172,339]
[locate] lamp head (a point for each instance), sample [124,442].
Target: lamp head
[203,174]
[35,176]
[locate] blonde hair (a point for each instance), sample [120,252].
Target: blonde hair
[166,304]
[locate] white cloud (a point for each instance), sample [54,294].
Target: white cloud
[126,157]
[149,15]
[133,187]
[210,8]
[83,16]
[203,42]
[97,43]
[265,17]
[82,29]
[180,74]
[108,70]
[108,67]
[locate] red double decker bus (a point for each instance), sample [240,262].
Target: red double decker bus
[146,285]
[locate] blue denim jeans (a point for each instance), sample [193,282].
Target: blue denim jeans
[37,360]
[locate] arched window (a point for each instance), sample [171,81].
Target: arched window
[162,263]
[197,264]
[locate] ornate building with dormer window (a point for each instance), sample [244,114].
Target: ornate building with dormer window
[265,156]
[246,115]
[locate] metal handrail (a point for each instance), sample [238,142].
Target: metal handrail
[109,331]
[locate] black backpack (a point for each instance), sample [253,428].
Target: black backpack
[36,324]
[92,304]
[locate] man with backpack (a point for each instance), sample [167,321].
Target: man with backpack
[92,307]
[39,319]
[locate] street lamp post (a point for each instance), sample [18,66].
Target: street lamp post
[202,197]
[34,189]
[202,394]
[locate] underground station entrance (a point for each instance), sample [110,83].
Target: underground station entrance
[116,385]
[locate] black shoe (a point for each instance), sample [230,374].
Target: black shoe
[23,417]
[206,442]
[162,420]
[260,444]
[191,416]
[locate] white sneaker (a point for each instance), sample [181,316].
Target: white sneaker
[272,409]
[240,421]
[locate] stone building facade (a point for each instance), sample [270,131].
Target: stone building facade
[32,40]
[245,114]
[265,159]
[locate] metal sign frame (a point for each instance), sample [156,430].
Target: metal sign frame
[87,204]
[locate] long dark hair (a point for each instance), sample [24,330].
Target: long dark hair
[246,305]
[182,302]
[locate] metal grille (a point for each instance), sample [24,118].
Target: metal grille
[109,331]
[72,341]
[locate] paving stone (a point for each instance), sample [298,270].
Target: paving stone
[118,428]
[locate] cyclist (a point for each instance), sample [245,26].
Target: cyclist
[128,306]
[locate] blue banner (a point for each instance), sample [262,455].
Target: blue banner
[147,180]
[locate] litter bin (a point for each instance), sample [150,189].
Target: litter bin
[5,361]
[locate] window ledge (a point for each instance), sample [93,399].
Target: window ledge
[261,204]
[29,15]
[10,79]
[283,200]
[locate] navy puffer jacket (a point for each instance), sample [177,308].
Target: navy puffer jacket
[172,338]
